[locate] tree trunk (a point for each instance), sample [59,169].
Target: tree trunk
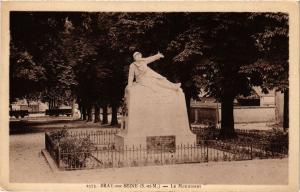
[73,107]
[89,111]
[50,104]
[83,112]
[227,119]
[114,113]
[104,115]
[286,110]
[97,114]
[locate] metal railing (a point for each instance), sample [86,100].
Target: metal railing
[96,149]
[132,156]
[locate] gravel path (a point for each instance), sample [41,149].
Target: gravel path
[28,165]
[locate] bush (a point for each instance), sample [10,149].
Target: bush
[58,134]
[279,136]
[278,141]
[76,151]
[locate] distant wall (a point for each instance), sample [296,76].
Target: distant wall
[253,114]
[204,115]
[279,107]
[267,101]
[242,114]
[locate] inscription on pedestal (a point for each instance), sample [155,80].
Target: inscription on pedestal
[164,143]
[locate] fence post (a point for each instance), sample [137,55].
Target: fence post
[181,152]
[161,151]
[251,151]
[206,151]
[58,157]
[140,157]
[125,156]
[132,155]
[112,156]
[46,141]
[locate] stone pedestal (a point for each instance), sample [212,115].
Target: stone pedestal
[154,114]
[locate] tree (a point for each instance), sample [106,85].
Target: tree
[24,71]
[272,66]
[230,47]
[212,49]
[38,35]
[217,49]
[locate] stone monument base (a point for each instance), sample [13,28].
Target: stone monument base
[155,118]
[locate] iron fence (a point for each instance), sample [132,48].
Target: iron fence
[132,156]
[99,137]
[211,132]
[244,151]
[73,150]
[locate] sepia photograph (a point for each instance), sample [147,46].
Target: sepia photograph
[131,99]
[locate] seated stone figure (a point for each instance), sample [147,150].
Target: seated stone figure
[145,76]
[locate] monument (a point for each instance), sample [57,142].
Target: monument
[155,112]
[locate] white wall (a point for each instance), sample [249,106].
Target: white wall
[279,107]
[252,114]
[267,101]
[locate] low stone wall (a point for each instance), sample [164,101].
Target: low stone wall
[242,114]
[253,114]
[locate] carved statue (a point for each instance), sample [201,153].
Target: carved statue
[145,76]
[153,107]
